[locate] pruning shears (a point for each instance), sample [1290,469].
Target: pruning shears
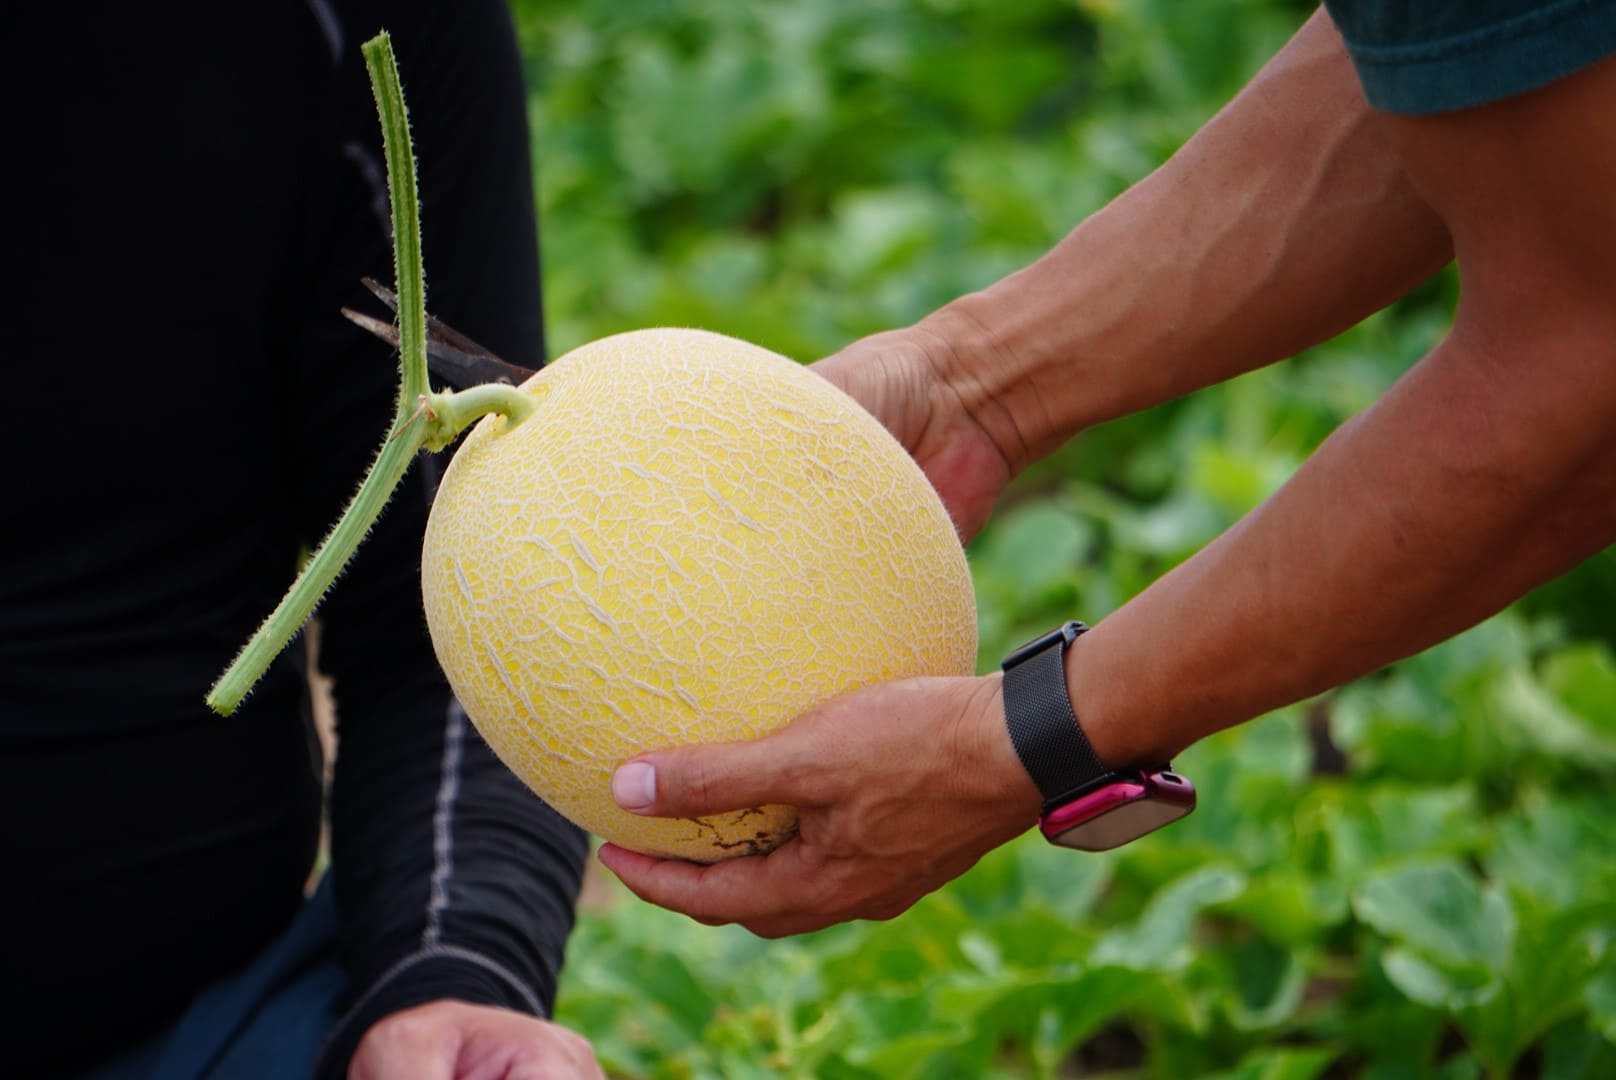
[450,355]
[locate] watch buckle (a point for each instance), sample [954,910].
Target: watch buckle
[1063,635]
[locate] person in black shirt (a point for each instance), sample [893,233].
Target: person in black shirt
[201,190]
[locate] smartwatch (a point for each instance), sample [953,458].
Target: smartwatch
[1087,805]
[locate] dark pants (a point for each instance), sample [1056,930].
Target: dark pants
[266,1021]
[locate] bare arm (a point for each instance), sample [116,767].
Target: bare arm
[1489,468]
[1286,219]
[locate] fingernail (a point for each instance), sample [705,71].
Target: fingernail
[634,786]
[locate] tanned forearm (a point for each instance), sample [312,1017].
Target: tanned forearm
[1490,467]
[1285,220]
[1419,518]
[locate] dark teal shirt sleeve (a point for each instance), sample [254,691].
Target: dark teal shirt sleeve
[1416,58]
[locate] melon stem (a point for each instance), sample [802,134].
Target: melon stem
[409,274]
[448,415]
[321,569]
[422,418]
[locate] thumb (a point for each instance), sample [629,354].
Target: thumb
[889,375]
[691,781]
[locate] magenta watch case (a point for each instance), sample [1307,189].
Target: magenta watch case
[1117,808]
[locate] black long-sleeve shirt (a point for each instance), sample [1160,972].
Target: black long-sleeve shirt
[201,191]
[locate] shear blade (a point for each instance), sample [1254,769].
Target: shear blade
[450,355]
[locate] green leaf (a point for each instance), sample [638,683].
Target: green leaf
[1540,720]
[1160,939]
[1442,912]
[1436,986]
[878,231]
[993,86]
[1236,482]
[1583,678]
[905,1056]
[1555,955]
[1250,778]
[1372,826]
[1458,1067]
[1174,528]
[1290,907]
[1079,1003]
[1600,997]
[1268,980]
[1380,1024]
[1036,546]
[1574,1051]
[1542,847]
[1280,1063]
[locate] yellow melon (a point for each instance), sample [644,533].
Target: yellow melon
[690,540]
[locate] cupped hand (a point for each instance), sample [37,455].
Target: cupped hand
[454,1040]
[899,788]
[897,376]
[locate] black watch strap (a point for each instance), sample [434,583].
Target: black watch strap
[1038,711]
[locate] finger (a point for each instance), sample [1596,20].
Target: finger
[886,374]
[788,926]
[786,892]
[405,1047]
[807,922]
[784,768]
[751,889]
[553,1053]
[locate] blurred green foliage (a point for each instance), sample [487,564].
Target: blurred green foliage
[1410,877]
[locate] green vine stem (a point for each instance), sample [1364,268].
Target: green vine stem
[408,270]
[423,418]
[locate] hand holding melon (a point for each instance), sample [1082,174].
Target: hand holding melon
[899,787]
[901,379]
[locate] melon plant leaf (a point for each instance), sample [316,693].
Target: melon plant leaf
[1458,1067]
[1266,980]
[1576,1051]
[667,978]
[1546,724]
[837,1067]
[1035,547]
[876,232]
[1542,849]
[877,1015]
[1369,828]
[1173,528]
[1433,985]
[1290,906]
[1059,1009]
[1379,1023]
[1556,954]
[1442,912]
[1583,679]
[1029,876]
[1160,939]
[1256,772]
[1455,714]
[994,87]
[904,1056]
[1600,997]
[1280,1063]
[1234,481]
